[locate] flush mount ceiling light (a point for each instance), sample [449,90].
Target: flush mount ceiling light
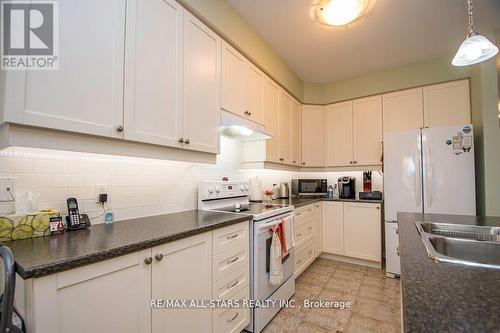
[342,12]
[475,48]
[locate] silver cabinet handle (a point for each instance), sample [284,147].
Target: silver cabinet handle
[233,284]
[159,257]
[187,141]
[397,231]
[119,128]
[397,250]
[148,260]
[181,140]
[233,236]
[235,316]
[230,261]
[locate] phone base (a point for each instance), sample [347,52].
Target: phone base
[84,223]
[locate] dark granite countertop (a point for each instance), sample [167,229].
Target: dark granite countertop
[298,202]
[445,297]
[42,256]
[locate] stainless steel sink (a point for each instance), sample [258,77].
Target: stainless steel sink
[461,244]
[462,231]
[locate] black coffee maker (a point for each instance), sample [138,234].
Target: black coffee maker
[347,187]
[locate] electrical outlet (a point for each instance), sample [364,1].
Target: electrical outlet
[100,189]
[7,189]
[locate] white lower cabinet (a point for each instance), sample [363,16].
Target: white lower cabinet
[182,270]
[353,229]
[304,232]
[116,295]
[109,296]
[333,227]
[318,229]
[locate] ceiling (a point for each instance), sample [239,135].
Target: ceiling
[392,34]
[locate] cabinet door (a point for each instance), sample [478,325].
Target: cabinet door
[109,296]
[184,272]
[367,117]
[85,95]
[233,80]
[403,110]
[271,117]
[153,72]
[362,231]
[447,104]
[333,227]
[339,134]
[318,229]
[295,140]
[285,106]
[313,136]
[201,114]
[254,94]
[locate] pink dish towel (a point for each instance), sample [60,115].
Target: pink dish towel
[275,264]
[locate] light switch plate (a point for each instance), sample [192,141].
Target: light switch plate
[5,184]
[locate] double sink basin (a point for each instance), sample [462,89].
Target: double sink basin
[470,245]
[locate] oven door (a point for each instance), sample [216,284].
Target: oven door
[262,247]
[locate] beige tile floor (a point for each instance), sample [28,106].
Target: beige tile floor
[375,301]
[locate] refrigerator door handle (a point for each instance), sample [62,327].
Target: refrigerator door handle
[428,177]
[417,186]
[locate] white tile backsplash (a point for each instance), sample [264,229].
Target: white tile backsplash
[136,187]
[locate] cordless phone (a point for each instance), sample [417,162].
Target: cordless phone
[75,220]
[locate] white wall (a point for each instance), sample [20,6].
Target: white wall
[137,187]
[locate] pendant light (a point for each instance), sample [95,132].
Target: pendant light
[475,48]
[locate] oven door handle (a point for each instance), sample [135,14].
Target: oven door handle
[273,223]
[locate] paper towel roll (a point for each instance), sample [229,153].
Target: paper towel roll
[255,189]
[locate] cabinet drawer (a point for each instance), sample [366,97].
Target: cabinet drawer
[304,256]
[303,232]
[304,213]
[230,261]
[232,319]
[229,237]
[231,284]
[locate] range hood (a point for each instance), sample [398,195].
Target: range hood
[234,126]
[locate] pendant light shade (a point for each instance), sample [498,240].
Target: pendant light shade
[475,48]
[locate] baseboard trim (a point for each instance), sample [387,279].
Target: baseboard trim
[350,260]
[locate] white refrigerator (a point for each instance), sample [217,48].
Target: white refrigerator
[430,170]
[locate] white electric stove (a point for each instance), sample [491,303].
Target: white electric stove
[233,197]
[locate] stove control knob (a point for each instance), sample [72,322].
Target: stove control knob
[246,187]
[217,189]
[210,189]
[242,188]
[237,206]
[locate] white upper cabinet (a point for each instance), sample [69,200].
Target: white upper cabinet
[295,135]
[403,110]
[447,104]
[313,136]
[339,134]
[285,107]
[233,80]
[153,72]
[242,87]
[254,94]
[367,116]
[86,94]
[271,118]
[201,116]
